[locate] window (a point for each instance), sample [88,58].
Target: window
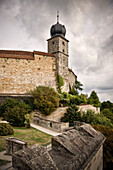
[63,51]
[53,42]
[63,43]
[50,124]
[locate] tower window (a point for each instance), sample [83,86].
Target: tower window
[63,43]
[63,51]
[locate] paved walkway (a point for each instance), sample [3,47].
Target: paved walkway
[45,130]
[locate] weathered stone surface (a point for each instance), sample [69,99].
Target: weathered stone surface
[23,75]
[80,145]
[13,145]
[50,124]
[33,158]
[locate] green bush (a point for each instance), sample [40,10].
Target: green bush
[75,100]
[46,100]
[11,103]
[88,117]
[28,118]
[6,129]
[14,111]
[15,116]
[92,118]
[107,113]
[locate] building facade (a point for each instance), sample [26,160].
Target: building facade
[22,71]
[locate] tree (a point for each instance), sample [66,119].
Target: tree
[75,88]
[108,113]
[78,85]
[107,105]
[94,100]
[45,99]
[108,146]
[83,98]
[71,115]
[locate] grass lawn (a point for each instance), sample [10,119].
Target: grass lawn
[31,135]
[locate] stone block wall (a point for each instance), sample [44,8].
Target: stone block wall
[20,74]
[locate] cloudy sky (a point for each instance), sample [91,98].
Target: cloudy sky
[25,25]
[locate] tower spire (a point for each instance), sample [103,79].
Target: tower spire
[57,16]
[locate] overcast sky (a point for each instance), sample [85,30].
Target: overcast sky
[25,25]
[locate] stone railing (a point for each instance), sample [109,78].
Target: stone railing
[56,126]
[13,144]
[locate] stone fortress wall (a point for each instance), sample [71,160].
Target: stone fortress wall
[21,72]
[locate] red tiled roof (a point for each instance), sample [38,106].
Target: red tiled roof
[16,54]
[43,53]
[83,104]
[72,72]
[22,54]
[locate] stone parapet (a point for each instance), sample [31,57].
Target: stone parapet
[53,125]
[13,145]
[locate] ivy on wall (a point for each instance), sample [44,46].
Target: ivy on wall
[60,83]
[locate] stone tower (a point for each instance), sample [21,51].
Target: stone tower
[58,45]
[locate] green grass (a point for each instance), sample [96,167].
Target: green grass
[3,162]
[31,135]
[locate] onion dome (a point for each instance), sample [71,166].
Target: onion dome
[58,29]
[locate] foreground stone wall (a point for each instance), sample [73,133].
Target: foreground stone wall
[13,145]
[96,162]
[20,73]
[76,149]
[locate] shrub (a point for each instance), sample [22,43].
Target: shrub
[11,103]
[45,99]
[13,111]
[88,117]
[92,118]
[28,118]
[15,115]
[75,100]
[6,129]
[108,113]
